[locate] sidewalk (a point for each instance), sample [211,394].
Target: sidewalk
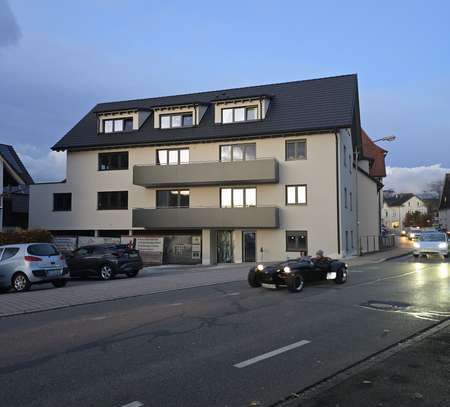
[378,257]
[418,375]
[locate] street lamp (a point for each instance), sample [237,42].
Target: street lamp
[387,138]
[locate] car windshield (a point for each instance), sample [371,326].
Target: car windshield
[432,237]
[42,249]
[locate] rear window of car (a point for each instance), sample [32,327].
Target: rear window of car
[432,237]
[42,249]
[9,252]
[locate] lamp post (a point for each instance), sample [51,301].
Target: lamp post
[387,138]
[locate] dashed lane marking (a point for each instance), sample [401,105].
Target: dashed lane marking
[133,404]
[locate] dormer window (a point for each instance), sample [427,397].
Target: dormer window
[169,121]
[241,110]
[239,114]
[117,125]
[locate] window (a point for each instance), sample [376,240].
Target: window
[351,201]
[117,125]
[345,156]
[237,197]
[172,157]
[238,152]
[350,163]
[351,239]
[62,202]
[295,194]
[113,161]
[239,114]
[42,249]
[345,197]
[172,199]
[346,240]
[295,150]
[112,200]
[9,252]
[171,121]
[297,241]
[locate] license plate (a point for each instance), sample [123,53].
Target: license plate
[133,255]
[54,273]
[271,286]
[331,276]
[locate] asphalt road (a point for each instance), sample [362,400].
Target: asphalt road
[222,345]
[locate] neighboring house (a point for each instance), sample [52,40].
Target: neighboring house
[259,173]
[396,206]
[444,206]
[14,190]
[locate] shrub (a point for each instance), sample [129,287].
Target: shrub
[26,236]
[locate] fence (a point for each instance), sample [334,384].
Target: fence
[375,243]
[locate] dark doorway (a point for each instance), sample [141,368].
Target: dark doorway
[224,246]
[249,246]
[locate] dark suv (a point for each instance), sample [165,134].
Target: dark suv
[104,261]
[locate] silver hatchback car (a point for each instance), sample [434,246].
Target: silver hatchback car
[22,265]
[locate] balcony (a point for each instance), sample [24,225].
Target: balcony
[199,218]
[261,171]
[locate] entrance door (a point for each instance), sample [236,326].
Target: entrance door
[224,246]
[249,246]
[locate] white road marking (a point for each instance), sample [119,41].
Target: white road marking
[267,355]
[134,404]
[175,304]
[232,293]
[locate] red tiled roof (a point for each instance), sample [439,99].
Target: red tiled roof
[375,154]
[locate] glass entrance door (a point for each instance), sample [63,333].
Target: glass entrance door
[249,246]
[224,246]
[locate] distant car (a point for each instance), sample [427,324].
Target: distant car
[293,274]
[22,265]
[413,232]
[104,261]
[431,243]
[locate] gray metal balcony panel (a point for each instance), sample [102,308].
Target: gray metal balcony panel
[192,218]
[262,171]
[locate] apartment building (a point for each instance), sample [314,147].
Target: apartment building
[250,174]
[396,206]
[444,205]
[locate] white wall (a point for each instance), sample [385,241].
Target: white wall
[369,213]
[395,215]
[1,194]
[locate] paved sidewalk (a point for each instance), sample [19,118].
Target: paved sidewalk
[418,375]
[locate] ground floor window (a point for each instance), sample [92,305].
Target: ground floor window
[346,240]
[297,241]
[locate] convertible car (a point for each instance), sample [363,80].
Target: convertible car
[294,273]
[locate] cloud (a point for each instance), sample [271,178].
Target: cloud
[43,166]
[414,179]
[9,29]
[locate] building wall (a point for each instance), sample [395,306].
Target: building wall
[369,213]
[1,194]
[444,218]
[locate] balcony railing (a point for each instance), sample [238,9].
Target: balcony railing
[198,218]
[260,171]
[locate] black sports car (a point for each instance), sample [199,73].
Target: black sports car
[294,273]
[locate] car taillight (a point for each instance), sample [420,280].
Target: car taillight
[62,257]
[117,254]
[32,258]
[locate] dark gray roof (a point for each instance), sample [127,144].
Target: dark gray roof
[8,153]
[445,198]
[398,199]
[301,106]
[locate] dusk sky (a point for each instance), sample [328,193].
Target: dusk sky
[59,58]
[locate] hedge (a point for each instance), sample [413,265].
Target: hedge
[26,236]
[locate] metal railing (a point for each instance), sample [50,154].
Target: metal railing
[375,243]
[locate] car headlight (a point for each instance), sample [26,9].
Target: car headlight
[260,267]
[416,245]
[412,235]
[287,269]
[403,232]
[443,245]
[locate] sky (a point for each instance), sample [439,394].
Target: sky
[59,58]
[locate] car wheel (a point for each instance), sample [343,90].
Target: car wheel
[59,283]
[416,256]
[106,272]
[341,276]
[132,273]
[445,256]
[295,283]
[253,280]
[20,282]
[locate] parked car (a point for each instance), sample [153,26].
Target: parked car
[431,243]
[104,261]
[22,265]
[294,273]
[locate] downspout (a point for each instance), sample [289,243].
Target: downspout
[338,196]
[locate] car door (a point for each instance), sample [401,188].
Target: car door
[79,261]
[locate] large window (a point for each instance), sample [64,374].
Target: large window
[169,121]
[117,125]
[295,150]
[296,195]
[297,241]
[112,200]
[238,152]
[113,161]
[237,197]
[173,156]
[239,114]
[62,202]
[172,198]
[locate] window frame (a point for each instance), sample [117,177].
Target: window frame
[123,119]
[178,190]
[109,201]
[120,160]
[170,115]
[295,150]
[296,233]
[231,152]
[297,203]
[233,108]
[60,194]
[178,155]
[244,195]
